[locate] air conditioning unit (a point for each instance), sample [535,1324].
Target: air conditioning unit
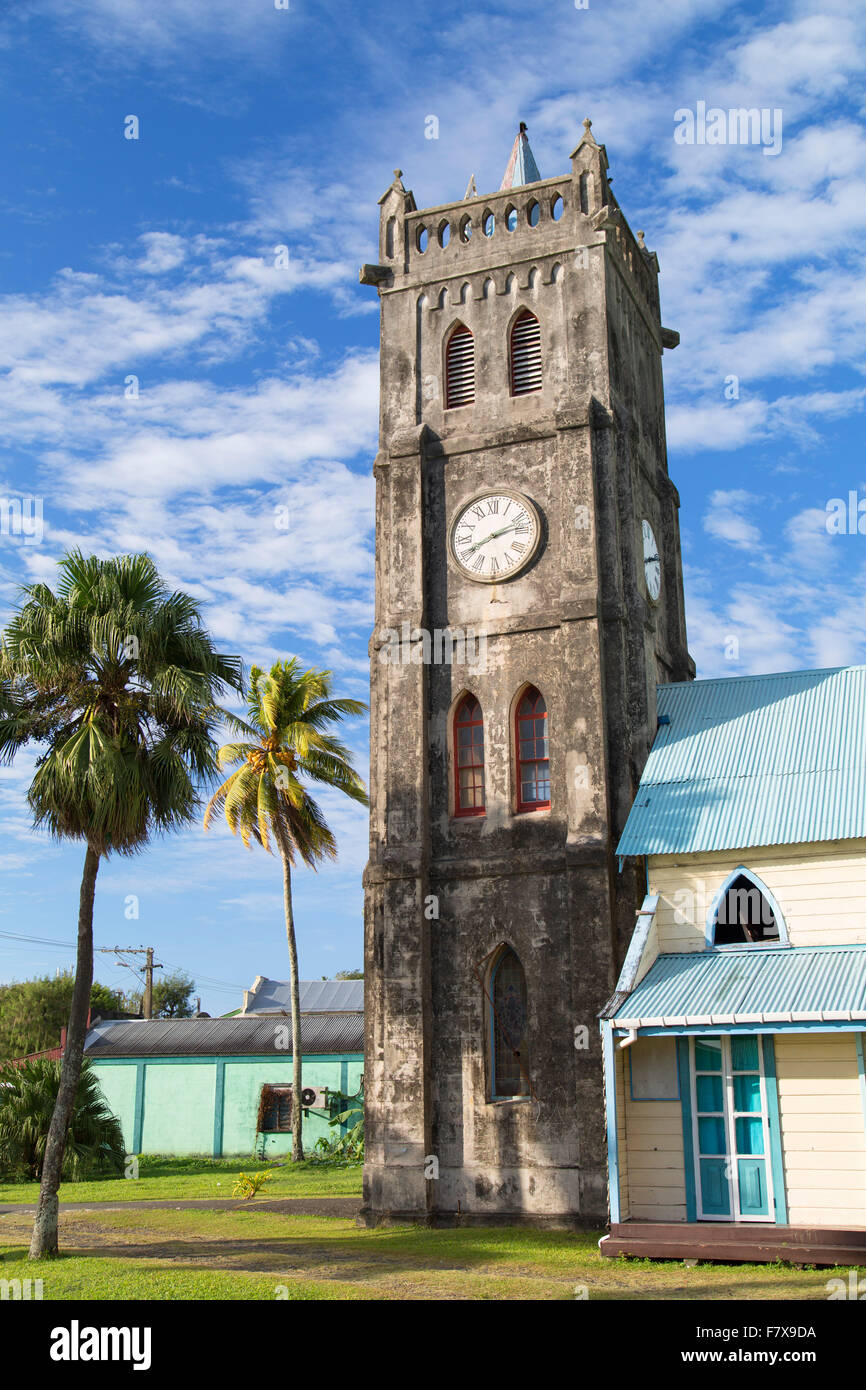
[314,1098]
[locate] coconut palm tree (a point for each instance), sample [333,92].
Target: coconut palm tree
[287,740]
[28,1094]
[116,679]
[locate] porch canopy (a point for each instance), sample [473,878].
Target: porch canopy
[752,990]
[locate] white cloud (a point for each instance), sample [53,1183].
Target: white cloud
[725,519]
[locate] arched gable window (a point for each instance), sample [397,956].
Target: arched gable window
[532,743]
[459,368]
[468,758]
[744,913]
[508,1011]
[525,354]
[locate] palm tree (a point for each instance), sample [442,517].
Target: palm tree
[116,679]
[28,1094]
[287,738]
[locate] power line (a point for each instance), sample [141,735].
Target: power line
[110,950]
[43,940]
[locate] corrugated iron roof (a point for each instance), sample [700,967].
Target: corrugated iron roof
[754,760]
[223,1037]
[317,996]
[748,985]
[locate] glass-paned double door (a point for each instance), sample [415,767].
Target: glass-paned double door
[733,1171]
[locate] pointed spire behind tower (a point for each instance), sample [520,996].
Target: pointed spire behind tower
[522,167]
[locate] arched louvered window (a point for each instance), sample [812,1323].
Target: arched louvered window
[460,368]
[745,913]
[525,354]
[508,1012]
[468,758]
[532,739]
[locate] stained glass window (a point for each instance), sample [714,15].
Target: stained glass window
[510,1061]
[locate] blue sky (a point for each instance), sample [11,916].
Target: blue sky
[155,259]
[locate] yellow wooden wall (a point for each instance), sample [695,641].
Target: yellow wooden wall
[622,1132]
[823,1135]
[820,889]
[651,1153]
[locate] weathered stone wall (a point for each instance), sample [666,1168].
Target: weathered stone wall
[443,892]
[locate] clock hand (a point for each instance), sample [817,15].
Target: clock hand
[493,535]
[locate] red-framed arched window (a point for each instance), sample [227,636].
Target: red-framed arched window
[468,758]
[532,741]
[525,354]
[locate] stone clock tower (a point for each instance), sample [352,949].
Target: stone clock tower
[528,601]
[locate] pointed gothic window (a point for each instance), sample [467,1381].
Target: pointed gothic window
[469,758]
[744,915]
[509,1050]
[460,368]
[525,354]
[532,741]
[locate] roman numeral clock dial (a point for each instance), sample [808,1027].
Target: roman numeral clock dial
[494,536]
[652,566]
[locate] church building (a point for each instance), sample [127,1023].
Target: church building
[734,1060]
[529,603]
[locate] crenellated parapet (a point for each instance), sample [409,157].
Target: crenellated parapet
[490,243]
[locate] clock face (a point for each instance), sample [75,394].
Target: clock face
[652,567]
[494,535]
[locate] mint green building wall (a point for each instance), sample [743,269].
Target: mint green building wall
[209,1105]
[178,1108]
[118,1086]
[244,1078]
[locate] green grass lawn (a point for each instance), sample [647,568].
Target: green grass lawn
[256,1254]
[170,1178]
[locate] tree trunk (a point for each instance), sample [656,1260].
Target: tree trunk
[44,1241]
[297,1116]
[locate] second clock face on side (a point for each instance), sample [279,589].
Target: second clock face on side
[494,535]
[652,566]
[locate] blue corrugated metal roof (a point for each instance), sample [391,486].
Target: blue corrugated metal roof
[749,985]
[754,760]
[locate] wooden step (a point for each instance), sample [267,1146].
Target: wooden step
[751,1241]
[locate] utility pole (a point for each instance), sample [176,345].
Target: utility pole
[149,967]
[148,984]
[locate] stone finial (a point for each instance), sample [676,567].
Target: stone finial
[640,241]
[398,173]
[587,124]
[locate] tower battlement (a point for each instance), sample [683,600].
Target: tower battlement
[527,226]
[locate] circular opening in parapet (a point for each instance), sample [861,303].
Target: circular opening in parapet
[421,239]
[466,228]
[533,212]
[489,224]
[511,219]
[444,233]
[557,207]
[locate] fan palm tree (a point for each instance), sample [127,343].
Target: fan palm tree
[287,739]
[28,1094]
[116,679]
